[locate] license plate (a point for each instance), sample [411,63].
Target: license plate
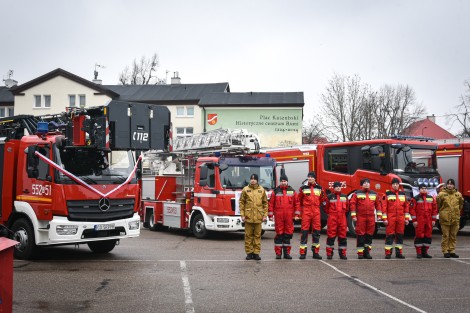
[105,227]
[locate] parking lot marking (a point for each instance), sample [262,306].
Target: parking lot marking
[188,298]
[374,288]
[461,261]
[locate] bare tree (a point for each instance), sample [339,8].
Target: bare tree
[463,115]
[356,112]
[141,72]
[343,106]
[313,131]
[395,110]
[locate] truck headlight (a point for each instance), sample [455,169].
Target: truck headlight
[134,225]
[66,229]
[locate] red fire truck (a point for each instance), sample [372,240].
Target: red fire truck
[70,178]
[411,159]
[453,159]
[198,184]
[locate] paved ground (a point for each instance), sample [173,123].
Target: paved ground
[173,272]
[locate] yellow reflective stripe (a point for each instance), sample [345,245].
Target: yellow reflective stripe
[33,199]
[316,245]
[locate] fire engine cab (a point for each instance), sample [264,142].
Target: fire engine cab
[411,159]
[71,178]
[198,184]
[453,159]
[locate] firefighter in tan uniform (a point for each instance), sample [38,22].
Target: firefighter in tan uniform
[450,204]
[253,211]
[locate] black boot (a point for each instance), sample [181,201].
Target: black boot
[249,256]
[286,255]
[425,253]
[256,257]
[367,253]
[342,254]
[302,256]
[316,256]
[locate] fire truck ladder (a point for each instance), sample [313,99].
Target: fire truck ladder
[218,140]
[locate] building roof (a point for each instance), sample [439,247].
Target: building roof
[427,128]
[60,72]
[166,93]
[258,99]
[6,97]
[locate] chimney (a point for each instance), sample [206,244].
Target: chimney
[175,80]
[97,81]
[432,118]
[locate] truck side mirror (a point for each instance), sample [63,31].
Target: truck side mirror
[32,162]
[203,173]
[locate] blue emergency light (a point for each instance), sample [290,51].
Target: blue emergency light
[43,128]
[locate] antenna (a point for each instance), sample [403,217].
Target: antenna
[96,69]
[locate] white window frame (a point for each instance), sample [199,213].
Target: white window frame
[74,97]
[37,101]
[185,132]
[80,98]
[3,111]
[184,110]
[46,104]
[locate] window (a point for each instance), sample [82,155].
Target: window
[47,101]
[72,101]
[337,160]
[185,111]
[11,111]
[190,111]
[43,167]
[37,101]
[6,111]
[82,100]
[2,112]
[184,131]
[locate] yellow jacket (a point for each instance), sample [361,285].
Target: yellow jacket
[450,204]
[253,204]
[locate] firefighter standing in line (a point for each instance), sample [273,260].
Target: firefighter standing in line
[450,204]
[284,205]
[423,210]
[253,211]
[337,207]
[363,205]
[311,197]
[395,214]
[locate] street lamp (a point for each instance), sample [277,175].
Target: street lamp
[422,130]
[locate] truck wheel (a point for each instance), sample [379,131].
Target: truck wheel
[102,247]
[351,226]
[198,227]
[23,233]
[409,230]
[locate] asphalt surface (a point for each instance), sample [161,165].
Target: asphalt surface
[172,271]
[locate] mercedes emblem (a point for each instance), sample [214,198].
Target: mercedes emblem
[104,204]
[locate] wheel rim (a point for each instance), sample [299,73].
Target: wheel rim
[199,225]
[22,237]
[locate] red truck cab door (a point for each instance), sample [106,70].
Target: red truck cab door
[36,188]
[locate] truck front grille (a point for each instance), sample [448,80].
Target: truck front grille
[90,211]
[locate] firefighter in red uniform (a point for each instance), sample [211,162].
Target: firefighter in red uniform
[284,205]
[336,207]
[423,211]
[363,205]
[311,197]
[395,214]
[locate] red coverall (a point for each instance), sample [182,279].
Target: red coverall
[336,207]
[311,197]
[395,210]
[284,205]
[423,210]
[363,205]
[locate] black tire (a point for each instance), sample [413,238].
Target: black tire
[102,247]
[198,227]
[23,233]
[351,226]
[151,223]
[410,230]
[262,232]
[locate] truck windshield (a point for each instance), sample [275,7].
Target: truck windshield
[409,159]
[238,176]
[94,166]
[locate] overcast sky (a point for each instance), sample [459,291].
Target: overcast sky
[254,45]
